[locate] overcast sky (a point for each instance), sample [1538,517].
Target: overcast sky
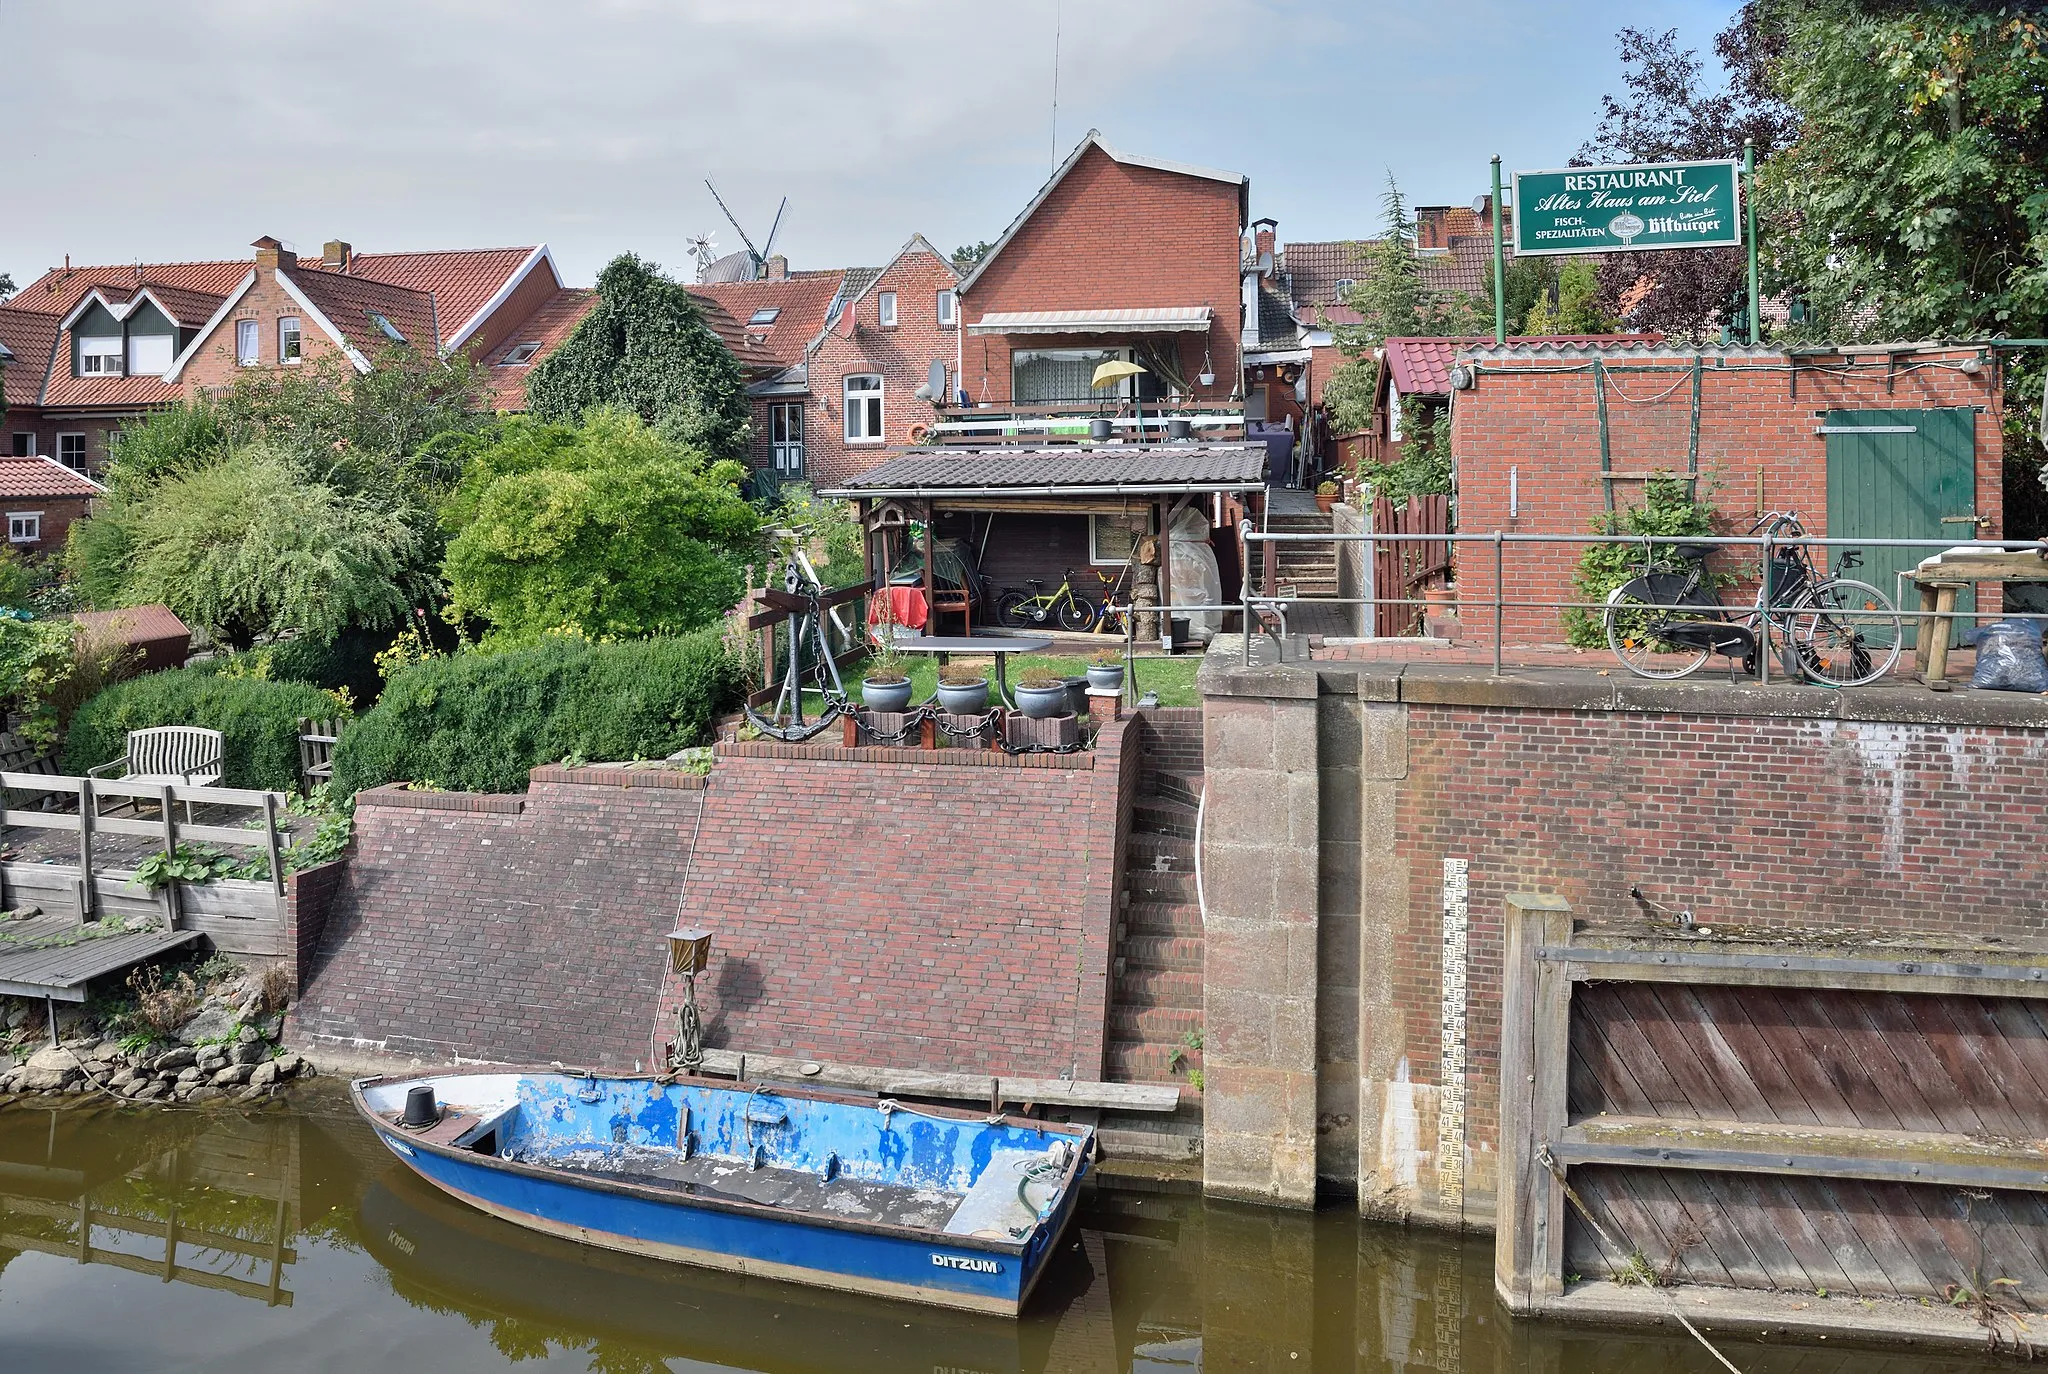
[165,129]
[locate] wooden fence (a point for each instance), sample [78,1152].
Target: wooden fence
[1813,1115]
[1403,570]
[238,916]
[317,739]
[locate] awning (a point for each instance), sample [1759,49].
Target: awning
[1192,319]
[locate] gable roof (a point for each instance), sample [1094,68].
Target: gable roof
[1094,139]
[186,307]
[803,298]
[550,324]
[35,477]
[345,304]
[1074,468]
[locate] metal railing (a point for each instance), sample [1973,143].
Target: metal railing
[1253,605]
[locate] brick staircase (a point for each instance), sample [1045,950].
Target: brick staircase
[1156,997]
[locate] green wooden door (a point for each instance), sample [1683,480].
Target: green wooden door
[1901,474]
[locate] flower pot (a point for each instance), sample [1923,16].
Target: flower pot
[964,698]
[1043,703]
[1326,501]
[881,694]
[1178,429]
[1099,430]
[1207,379]
[1106,677]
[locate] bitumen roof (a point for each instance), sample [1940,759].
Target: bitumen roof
[1156,467]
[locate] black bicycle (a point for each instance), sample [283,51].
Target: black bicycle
[1667,621]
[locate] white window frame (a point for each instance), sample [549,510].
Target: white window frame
[885,308]
[786,455]
[948,308]
[24,527]
[102,347]
[765,316]
[249,332]
[519,355]
[293,352]
[1095,555]
[137,367]
[877,394]
[80,436]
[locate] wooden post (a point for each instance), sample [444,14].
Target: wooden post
[88,890]
[1159,513]
[930,519]
[270,842]
[170,847]
[1535,1051]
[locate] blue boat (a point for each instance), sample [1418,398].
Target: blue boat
[868,1195]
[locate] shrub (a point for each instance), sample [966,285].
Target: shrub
[259,721]
[478,721]
[1668,512]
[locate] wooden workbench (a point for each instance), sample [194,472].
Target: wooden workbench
[1939,584]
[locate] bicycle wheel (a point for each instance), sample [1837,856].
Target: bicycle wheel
[1632,626]
[1846,633]
[1078,613]
[1018,610]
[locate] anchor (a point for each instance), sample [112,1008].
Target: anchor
[800,596]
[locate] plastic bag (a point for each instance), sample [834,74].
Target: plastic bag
[2009,658]
[1197,581]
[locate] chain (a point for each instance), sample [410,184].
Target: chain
[988,725]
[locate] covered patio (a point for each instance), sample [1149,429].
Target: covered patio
[963,527]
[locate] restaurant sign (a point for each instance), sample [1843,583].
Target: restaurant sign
[1628,209]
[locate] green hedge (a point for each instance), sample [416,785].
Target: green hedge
[348,660]
[258,720]
[477,722]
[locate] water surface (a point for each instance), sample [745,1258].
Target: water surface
[300,1244]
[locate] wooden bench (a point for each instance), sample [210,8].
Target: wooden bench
[184,755]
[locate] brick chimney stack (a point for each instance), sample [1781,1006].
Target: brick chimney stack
[268,252]
[778,268]
[336,254]
[1264,234]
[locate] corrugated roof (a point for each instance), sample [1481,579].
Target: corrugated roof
[132,624]
[34,477]
[1241,466]
[1168,319]
[1422,367]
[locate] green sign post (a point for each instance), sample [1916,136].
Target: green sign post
[1628,208]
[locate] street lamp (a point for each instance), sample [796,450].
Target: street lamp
[689,951]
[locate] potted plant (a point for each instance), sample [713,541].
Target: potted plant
[885,686]
[1106,672]
[1326,496]
[963,691]
[1042,697]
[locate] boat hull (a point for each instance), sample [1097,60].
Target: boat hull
[961,1272]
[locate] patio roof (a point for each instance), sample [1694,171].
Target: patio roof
[1070,470]
[1161,320]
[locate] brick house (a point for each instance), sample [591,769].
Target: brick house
[835,360]
[1117,256]
[90,348]
[41,498]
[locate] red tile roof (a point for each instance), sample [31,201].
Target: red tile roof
[802,298]
[188,308]
[1422,367]
[348,302]
[56,291]
[122,392]
[550,324]
[34,477]
[132,624]
[31,338]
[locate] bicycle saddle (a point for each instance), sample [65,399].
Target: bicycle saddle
[1692,553]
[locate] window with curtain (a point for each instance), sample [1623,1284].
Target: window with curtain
[1061,376]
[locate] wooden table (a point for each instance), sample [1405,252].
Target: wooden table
[946,645]
[1939,584]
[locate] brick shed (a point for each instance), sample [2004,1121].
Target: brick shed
[1901,441]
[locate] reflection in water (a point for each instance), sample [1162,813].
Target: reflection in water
[290,1240]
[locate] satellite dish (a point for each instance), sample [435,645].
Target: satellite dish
[935,378]
[1479,204]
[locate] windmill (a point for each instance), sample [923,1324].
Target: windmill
[747,266]
[704,248]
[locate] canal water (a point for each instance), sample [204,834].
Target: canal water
[287,1239]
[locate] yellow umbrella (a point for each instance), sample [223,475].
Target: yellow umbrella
[1109,373]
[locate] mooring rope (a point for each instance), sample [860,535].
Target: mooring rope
[1607,1238]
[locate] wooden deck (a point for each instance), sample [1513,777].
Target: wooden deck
[60,972]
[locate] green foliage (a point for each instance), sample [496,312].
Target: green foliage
[1349,394]
[36,661]
[17,581]
[185,864]
[832,534]
[1570,304]
[608,529]
[252,545]
[969,255]
[259,721]
[1668,512]
[647,349]
[1424,464]
[1391,294]
[478,721]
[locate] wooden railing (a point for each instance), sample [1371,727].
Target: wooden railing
[1068,422]
[773,607]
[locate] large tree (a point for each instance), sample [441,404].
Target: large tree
[608,528]
[646,348]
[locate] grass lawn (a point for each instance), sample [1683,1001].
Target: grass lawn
[1172,678]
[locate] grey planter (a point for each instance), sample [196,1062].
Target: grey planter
[1099,430]
[964,698]
[1106,676]
[885,696]
[1043,703]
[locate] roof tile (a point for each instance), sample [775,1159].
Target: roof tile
[550,324]
[803,298]
[32,477]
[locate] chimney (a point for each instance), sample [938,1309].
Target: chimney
[268,250]
[778,267]
[335,255]
[1264,232]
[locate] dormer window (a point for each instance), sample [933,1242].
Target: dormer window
[288,339]
[520,353]
[765,315]
[149,355]
[385,327]
[100,357]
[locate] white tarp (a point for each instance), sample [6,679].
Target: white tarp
[1196,580]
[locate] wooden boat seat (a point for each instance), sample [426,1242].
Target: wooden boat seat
[449,1131]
